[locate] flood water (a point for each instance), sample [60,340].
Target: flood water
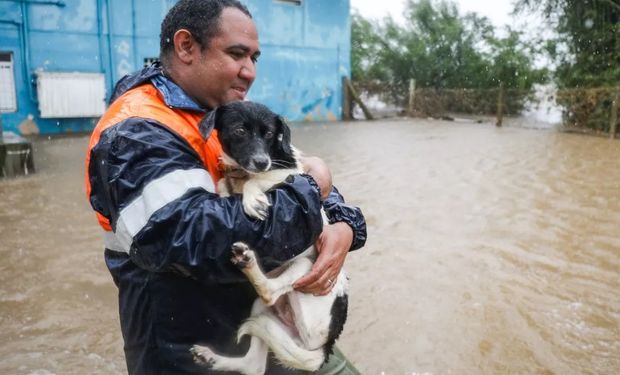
[490,251]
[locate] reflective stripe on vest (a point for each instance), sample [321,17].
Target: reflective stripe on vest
[155,195]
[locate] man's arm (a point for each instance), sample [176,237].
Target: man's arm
[336,209]
[317,168]
[140,164]
[346,231]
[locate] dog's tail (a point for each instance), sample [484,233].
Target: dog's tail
[277,338]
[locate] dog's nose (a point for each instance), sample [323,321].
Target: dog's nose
[261,163]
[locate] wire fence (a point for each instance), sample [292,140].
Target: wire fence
[587,109]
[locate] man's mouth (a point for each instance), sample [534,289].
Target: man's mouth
[240,90]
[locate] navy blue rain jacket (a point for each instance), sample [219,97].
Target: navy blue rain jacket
[177,286]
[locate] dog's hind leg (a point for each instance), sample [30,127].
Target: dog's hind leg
[286,350]
[268,289]
[253,363]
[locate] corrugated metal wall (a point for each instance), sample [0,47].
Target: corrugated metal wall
[306,51]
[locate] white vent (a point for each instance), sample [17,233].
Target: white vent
[70,94]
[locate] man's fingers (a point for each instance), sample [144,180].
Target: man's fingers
[305,280]
[311,277]
[315,278]
[322,285]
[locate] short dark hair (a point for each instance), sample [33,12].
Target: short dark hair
[199,17]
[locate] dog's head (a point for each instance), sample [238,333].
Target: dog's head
[252,137]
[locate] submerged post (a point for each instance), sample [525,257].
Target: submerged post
[358,100]
[500,105]
[346,100]
[411,97]
[613,121]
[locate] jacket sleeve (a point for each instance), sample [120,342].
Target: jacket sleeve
[338,211]
[153,188]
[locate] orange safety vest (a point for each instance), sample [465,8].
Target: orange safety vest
[146,101]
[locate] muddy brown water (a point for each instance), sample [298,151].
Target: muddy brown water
[490,251]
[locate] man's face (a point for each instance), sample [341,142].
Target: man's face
[226,69]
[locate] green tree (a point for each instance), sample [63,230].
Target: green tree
[512,62]
[587,49]
[365,50]
[439,48]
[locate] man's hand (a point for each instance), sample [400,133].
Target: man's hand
[333,245]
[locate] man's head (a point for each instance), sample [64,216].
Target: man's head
[209,48]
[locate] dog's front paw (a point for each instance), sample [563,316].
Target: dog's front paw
[203,356]
[242,255]
[256,205]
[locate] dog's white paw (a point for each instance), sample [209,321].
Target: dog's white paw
[256,205]
[242,255]
[203,355]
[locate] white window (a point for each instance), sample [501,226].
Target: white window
[8,100]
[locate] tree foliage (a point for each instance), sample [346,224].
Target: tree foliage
[587,48]
[440,48]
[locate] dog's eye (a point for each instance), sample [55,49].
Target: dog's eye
[240,132]
[268,135]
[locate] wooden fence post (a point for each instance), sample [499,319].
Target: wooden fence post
[411,96]
[358,100]
[613,122]
[500,105]
[346,100]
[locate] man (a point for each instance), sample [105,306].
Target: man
[150,178]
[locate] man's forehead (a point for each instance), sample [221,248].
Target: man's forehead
[236,25]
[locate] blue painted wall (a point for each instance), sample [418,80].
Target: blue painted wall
[305,51]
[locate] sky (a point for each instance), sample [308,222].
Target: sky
[496,10]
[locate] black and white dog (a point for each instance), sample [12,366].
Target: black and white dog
[300,329]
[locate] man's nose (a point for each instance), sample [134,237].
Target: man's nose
[248,71]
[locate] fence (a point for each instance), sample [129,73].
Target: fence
[591,109]
[595,108]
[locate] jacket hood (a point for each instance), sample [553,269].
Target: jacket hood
[135,79]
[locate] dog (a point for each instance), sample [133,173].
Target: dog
[299,328]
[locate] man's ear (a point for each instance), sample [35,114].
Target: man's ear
[184,45]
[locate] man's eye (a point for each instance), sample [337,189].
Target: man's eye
[236,54]
[240,132]
[268,135]
[254,59]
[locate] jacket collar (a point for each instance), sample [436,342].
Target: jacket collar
[173,95]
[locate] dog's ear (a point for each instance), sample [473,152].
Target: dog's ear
[209,122]
[283,136]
